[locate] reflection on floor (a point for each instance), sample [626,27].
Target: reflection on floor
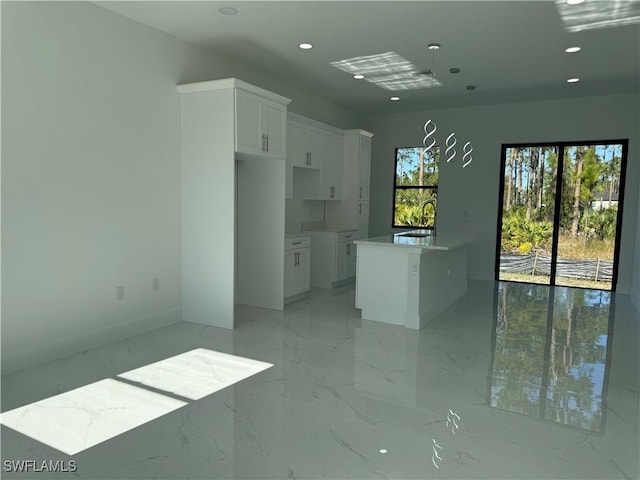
[513,381]
[551,353]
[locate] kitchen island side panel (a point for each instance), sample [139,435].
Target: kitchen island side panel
[443,280]
[382,282]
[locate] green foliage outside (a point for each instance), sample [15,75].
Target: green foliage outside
[600,224]
[523,236]
[415,202]
[588,199]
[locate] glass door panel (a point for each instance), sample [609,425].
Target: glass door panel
[528,213]
[591,179]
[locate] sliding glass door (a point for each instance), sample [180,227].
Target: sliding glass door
[561,208]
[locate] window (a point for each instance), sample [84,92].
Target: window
[415,191]
[561,213]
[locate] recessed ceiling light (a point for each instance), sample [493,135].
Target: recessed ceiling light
[573,49]
[471,87]
[574,2]
[358,76]
[394,99]
[383,450]
[228,10]
[573,80]
[433,46]
[305,46]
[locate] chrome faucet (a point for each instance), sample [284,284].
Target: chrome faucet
[431,201]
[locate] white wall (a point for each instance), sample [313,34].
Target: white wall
[91,174]
[468,198]
[635,274]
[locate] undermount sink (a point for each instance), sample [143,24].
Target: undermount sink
[414,234]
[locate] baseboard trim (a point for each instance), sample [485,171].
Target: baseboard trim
[57,349]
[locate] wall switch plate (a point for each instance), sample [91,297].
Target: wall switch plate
[156,284]
[120,292]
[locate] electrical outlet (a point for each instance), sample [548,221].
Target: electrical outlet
[156,284]
[120,292]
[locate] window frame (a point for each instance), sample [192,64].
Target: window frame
[396,187]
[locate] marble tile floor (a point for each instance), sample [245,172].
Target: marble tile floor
[86,416]
[512,381]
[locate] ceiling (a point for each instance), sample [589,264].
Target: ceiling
[510,50]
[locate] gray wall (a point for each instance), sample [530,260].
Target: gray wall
[635,274]
[91,174]
[468,198]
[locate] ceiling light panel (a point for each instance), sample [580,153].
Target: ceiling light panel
[592,15]
[387,70]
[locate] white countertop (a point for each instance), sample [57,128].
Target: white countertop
[289,236]
[330,229]
[428,242]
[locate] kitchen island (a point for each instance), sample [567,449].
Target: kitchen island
[408,278]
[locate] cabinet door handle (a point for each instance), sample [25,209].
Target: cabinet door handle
[263,142]
[360,194]
[333,191]
[267,142]
[296,243]
[309,158]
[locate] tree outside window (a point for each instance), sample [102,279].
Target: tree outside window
[416,187]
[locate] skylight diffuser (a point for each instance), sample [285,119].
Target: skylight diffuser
[592,15]
[387,70]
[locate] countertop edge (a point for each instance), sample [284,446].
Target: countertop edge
[384,241]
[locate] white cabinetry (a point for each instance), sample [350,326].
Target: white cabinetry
[305,145]
[345,256]
[226,182]
[353,210]
[331,170]
[333,258]
[315,160]
[364,164]
[261,124]
[297,267]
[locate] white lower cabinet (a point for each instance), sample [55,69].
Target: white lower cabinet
[297,267]
[333,259]
[345,260]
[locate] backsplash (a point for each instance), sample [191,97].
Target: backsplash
[302,211]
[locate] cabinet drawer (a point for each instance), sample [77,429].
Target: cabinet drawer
[347,236]
[297,242]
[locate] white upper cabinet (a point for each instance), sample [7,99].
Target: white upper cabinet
[261,125]
[364,167]
[315,160]
[305,145]
[353,210]
[331,171]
